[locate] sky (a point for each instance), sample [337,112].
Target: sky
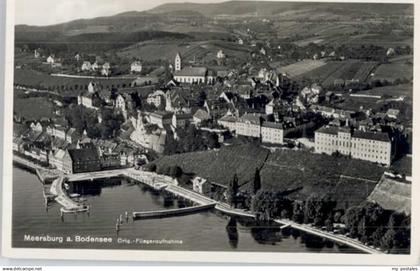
[47,12]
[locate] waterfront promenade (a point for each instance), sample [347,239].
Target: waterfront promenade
[164,182]
[61,196]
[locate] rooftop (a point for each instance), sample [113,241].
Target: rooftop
[377,136]
[274,125]
[83,155]
[192,71]
[253,118]
[228,118]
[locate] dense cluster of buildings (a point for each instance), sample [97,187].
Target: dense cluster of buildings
[254,105]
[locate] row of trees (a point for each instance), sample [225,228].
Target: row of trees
[191,139]
[368,222]
[371,224]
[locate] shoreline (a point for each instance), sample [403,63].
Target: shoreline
[224,208]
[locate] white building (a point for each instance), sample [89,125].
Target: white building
[178,62]
[192,75]
[95,66]
[106,69]
[160,118]
[228,122]
[50,60]
[220,54]
[86,66]
[201,116]
[249,125]
[156,98]
[57,131]
[365,145]
[37,54]
[201,185]
[121,105]
[136,67]
[272,132]
[56,159]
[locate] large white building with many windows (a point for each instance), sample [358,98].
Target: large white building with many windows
[254,125]
[272,132]
[371,146]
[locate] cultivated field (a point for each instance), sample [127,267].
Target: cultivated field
[284,170]
[392,195]
[24,107]
[393,91]
[361,103]
[394,71]
[379,40]
[220,166]
[301,67]
[345,70]
[190,51]
[322,174]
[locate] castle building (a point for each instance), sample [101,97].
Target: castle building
[371,146]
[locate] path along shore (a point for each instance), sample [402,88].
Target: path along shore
[157,181]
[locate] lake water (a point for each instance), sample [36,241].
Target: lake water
[206,231]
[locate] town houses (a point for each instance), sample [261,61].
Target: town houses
[256,104]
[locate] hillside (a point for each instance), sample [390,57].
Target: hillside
[346,180]
[90,42]
[271,8]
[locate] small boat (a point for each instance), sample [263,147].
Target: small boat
[66,186]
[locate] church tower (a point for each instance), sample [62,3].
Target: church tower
[178,64]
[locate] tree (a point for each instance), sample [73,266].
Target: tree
[256,184]
[377,236]
[297,212]
[352,218]
[175,172]
[232,191]
[150,167]
[387,241]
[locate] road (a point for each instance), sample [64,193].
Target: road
[339,238]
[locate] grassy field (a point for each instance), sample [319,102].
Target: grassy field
[394,71]
[301,67]
[380,40]
[346,70]
[394,91]
[358,103]
[33,108]
[349,181]
[198,50]
[31,78]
